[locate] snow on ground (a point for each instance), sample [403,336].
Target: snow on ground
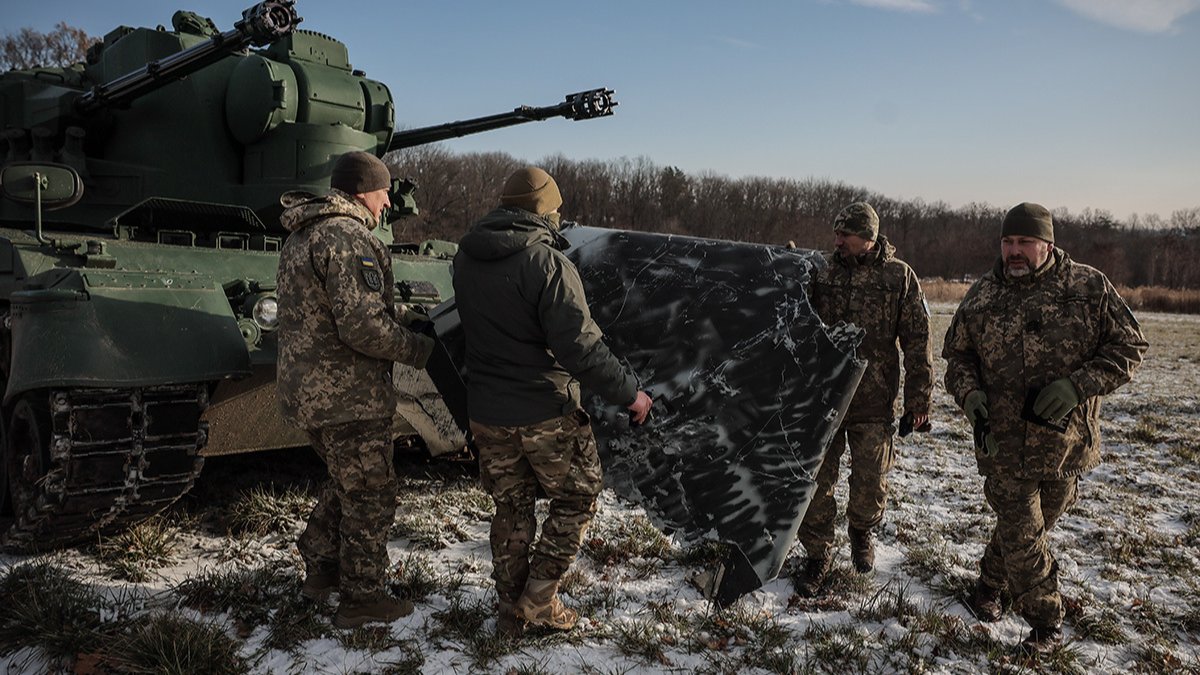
[1129,555]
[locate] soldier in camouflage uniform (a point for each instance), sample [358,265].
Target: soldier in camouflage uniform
[338,337]
[531,342]
[1038,339]
[863,283]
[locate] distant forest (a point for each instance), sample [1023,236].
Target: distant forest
[938,241]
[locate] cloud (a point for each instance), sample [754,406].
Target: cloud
[899,5]
[1148,16]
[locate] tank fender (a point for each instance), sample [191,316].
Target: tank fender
[120,328]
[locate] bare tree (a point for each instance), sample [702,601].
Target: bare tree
[28,48]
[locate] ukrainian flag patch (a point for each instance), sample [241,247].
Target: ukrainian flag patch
[366,262]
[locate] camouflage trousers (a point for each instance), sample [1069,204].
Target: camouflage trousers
[347,530]
[1018,556]
[872,454]
[560,455]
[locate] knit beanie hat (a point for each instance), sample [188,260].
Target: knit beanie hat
[1028,220]
[360,172]
[859,218]
[531,189]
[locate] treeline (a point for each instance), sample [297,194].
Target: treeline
[937,240]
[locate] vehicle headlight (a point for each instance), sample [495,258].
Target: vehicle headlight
[266,312]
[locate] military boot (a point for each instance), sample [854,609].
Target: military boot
[385,608]
[984,602]
[815,571]
[1041,640]
[318,585]
[862,550]
[540,606]
[509,623]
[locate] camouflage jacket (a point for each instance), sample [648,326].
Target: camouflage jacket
[880,294]
[1013,336]
[530,337]
[338,330]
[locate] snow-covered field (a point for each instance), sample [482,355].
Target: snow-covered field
[1129,555]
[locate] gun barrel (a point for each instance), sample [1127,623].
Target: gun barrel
[261,25]
[583,105]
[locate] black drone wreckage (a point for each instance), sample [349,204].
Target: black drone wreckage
[749,388]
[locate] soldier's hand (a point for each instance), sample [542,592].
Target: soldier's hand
[640,408]
[975,406]
[410,314]
[1056,400]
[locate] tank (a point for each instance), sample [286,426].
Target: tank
[139,242]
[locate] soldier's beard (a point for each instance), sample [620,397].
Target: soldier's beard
[1015,271]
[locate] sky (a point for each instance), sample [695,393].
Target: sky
[1070,103]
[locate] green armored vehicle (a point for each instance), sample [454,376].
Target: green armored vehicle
[139,241]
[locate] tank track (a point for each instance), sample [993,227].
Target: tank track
[116,457]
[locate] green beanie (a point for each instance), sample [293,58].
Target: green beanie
[531,189]
[860,219]
[1028,220]
[359,172]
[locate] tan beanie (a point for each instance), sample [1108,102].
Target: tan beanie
[531,189]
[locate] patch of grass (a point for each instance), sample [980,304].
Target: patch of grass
[704,554]
[134,553]
[627,539]
[296,619]
[172,645]
[601,597]
[1151,429]
[264,510]
[836,648]
[415,577]
[464,622]
[45,607]
[1064,659]
[1103,626]
[431,513]
[249,596]
[1188,452]
[1155,656]
[642,639]
[893,600]
[369,638]
[410,662]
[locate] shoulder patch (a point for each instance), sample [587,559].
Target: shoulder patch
[369,270]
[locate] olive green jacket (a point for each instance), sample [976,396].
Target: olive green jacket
[1013,336]
[338,331]
[530,337]
[880,294]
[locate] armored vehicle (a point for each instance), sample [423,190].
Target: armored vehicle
[139,242]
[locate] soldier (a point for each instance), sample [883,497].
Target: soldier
[338,338]
[1036,341]
[863,283]
[531,343]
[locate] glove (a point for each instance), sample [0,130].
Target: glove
[975,405]
[990,446]
[1057,400]
[410,314]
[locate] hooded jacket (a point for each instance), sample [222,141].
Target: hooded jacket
[880,294]
[338,330]
[1013,336]
[530,337]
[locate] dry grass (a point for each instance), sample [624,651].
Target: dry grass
[944,290]
[1141,298]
